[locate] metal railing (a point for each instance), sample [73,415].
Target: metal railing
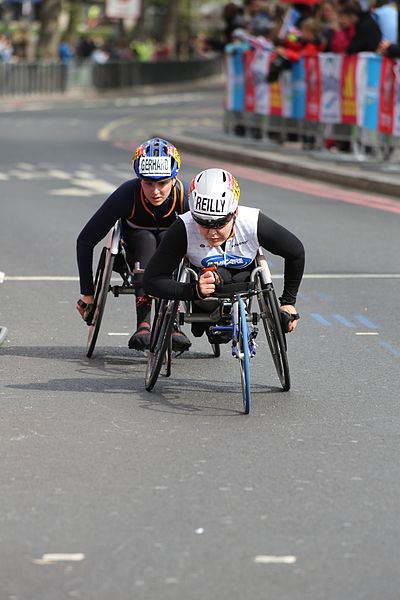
[30,78]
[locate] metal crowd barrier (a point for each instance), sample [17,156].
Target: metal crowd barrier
[351,143]
[40,77]
[32,78]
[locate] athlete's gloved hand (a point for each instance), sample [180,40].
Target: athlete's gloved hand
[290,317]
[84,306]
[206,284]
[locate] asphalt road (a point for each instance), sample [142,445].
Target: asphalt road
[109,491]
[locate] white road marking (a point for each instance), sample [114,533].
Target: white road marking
[316,276]
[97,185]
[58,174]
[274,560]
[49,559]
[2,276]
[116,333]
[72,192]
[4,177]
[367,333]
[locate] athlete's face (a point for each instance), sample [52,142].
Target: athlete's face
[157,192]
[216,236]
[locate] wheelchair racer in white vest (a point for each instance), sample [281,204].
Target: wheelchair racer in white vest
[218,232]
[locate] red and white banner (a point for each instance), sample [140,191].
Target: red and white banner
[386,97]
[313,88]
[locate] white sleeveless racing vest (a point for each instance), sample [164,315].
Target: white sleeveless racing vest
[240,249]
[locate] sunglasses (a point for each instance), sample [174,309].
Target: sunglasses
[213,224]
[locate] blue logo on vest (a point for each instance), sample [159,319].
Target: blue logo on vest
[227,260]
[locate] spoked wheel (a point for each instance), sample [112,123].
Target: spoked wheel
[244,357]
[270,315]
[101,286]
[161,342]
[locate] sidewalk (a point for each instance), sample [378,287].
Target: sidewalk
[345,170]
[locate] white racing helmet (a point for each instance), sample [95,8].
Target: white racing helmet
[214,197]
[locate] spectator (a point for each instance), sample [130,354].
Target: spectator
[367,34]
[100,54]
[387,49]
[328,14]
[307,43]
[342,37]
[6,49]
[233,16]
[84,48]
[257,12]
[386,15]
[65,51]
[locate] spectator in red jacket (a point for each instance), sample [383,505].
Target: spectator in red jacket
[307,43]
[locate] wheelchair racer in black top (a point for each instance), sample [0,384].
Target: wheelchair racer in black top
[147,206]
[221,240]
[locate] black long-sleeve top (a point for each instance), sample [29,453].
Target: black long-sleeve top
[273,237]
[127,202]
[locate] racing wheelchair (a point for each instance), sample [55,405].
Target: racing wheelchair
[114,252]
[231,311]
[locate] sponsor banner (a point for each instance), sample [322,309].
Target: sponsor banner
[313,88]
[396,101]
[386,96]
[349,91]
[259,68]
[298,90]
[227,260]
[330,66]
[275,106]
[249,84]
[235,87]
[368,84]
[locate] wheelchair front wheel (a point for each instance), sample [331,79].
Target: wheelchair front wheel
[244,357]
[270,316]
[102,287]
[160,341]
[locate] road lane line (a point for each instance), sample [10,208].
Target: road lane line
[320,319]
[362,319]
[327,276]
[49,559]
[274,560]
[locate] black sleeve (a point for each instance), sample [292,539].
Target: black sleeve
[117,206]
[393,51]
[278,240]
[157,279]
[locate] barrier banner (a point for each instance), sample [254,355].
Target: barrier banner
[235,81]
[313,88]
[298,90]
[368,86]
[386,96]
[275,88]
[259,68]
[330,66]
[249,84]
[396,100]
[349,93]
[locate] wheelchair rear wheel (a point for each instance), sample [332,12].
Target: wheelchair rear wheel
[102,287]
[161,342]
[270,315]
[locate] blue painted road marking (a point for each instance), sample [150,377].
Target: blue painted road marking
[390,348]
[343,320]
[320,319]
[366,322]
